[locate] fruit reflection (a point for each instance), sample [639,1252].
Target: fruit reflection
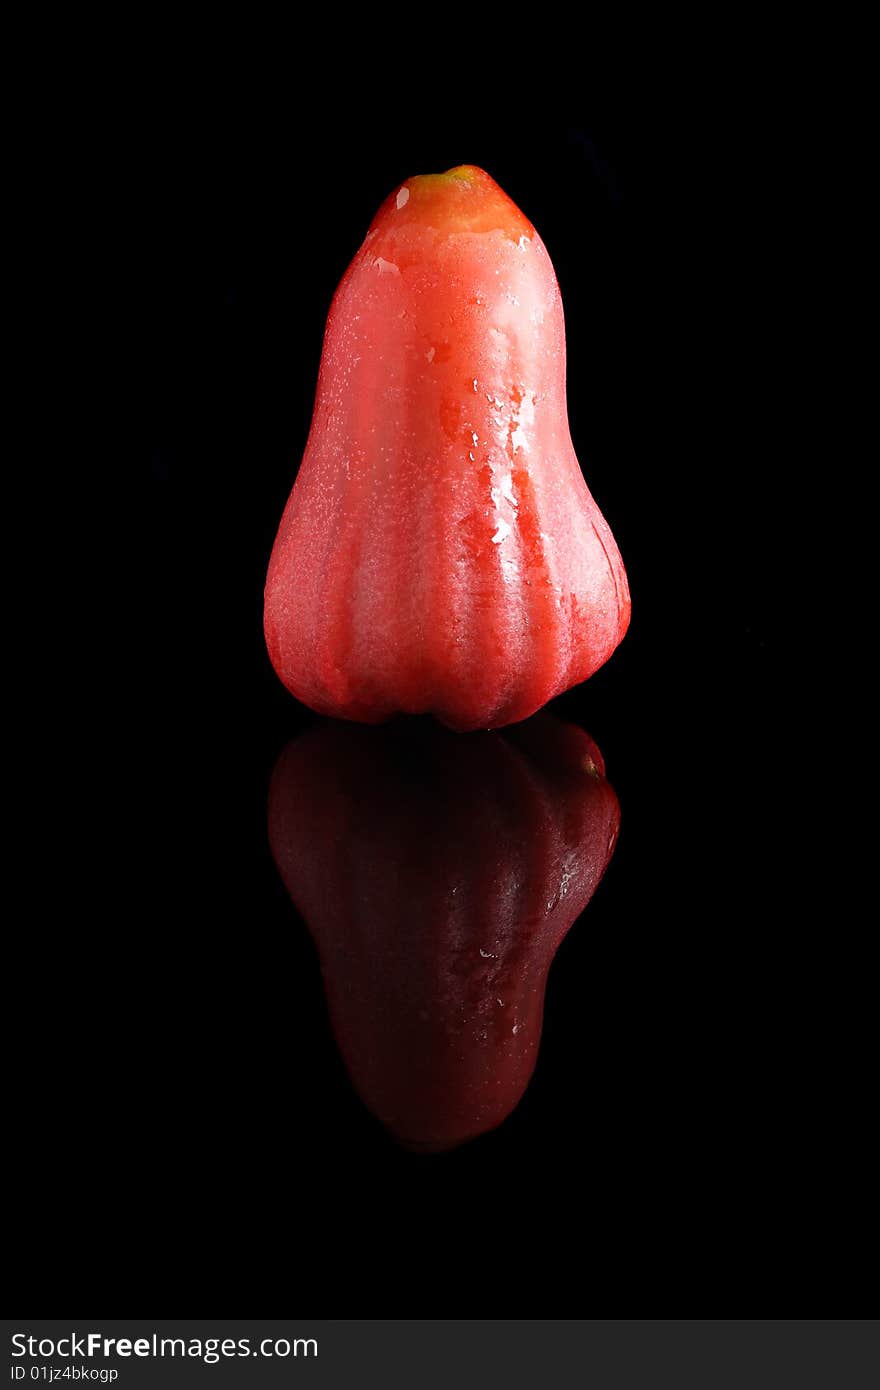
[438,874]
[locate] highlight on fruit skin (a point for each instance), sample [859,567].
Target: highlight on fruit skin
[438,876]
[440,551]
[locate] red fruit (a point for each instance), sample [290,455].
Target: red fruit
[440,552]
[438,876]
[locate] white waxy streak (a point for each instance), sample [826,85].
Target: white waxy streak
[523,415]
[503,492]
[502,532]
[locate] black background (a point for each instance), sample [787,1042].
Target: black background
[211,1140]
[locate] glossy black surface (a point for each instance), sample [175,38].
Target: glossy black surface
[438,875]
[211,1132]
